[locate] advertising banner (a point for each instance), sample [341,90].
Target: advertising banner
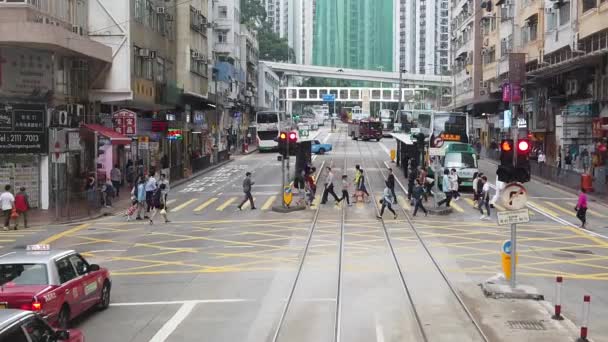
[22,129]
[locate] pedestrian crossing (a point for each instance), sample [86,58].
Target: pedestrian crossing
[466,206]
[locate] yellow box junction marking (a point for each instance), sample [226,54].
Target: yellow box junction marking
[58,236]
[206,204]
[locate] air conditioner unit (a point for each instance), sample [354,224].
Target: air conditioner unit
[195,54]
[482,93]
[75,110]
[62,118]
[152,54]
[161,10]
[143,52]
[75,29]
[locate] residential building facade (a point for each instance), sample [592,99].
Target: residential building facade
[422,36]
[47,64]
[353,34]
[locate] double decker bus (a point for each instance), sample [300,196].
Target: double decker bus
[268,125]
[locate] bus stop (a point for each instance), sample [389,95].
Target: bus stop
[408,152]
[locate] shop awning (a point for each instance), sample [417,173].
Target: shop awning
[115,137]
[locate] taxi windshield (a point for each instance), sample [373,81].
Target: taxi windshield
[23,274]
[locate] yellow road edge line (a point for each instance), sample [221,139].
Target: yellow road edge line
[206,204]
[226,204]
[268,204]
[58,236]
[542,208]
[183,205]
[456,206]
[568,212]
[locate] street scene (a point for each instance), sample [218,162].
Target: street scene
[269,171]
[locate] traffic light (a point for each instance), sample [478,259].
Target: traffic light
[283,143]
[514,161]
[293,138]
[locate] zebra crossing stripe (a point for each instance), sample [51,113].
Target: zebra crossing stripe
[206,204]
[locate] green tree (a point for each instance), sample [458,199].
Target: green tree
[253,13]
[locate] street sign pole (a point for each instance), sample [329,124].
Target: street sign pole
[513,255]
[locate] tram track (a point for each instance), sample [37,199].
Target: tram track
[464,313]
[280,326]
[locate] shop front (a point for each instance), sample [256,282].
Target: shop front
[24,150]
[104,149]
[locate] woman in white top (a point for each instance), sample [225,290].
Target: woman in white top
[484,199]
[454,185]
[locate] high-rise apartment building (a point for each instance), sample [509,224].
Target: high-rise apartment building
[353,34]
[277,12]
[421,36]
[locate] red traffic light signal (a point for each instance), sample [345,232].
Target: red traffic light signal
[293,137]
[523,146]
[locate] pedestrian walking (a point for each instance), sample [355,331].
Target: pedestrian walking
[7,203]
[568,161]
[411,181]
[116,178]
[329,187]
[476,187]
[130,173]
[164,181]
[445,187]
[581,208]
[247,184]
[151,186]
[422,174]
[418,196]
[500,186]
[311,185]
[387,202]
[361,187]
[484,199]
[391,183]
[345,187]
[139,195]
[454,184]
[158,204]
[107,192]
[22,205]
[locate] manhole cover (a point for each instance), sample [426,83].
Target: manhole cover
[526,325]
[578,251]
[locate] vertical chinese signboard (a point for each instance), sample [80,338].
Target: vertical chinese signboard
[125,122]
[517,75]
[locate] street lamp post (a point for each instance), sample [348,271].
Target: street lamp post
[401,71]
[381,87]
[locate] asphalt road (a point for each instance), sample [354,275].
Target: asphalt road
[218,274]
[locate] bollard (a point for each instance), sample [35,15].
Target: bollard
[558,298]
[585,320]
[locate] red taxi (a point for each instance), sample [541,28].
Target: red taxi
[26,326]
[57,284]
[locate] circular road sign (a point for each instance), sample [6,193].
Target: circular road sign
[506,247]
[438,142]
[514,196]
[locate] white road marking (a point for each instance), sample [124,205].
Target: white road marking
[172,324]
[379,330]
[174,302]
[326,138]
[388,152]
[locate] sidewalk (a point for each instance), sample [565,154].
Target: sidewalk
[38,217]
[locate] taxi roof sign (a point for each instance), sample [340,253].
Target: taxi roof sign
[38,248]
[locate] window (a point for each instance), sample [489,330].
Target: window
[81,266]
[551,21]
[222,37]
[147,68]
[38,330]
[160,70]
[15,334]
[140,10]
[222,12]
[137,63]
[65,269]
[589,4]
[23,274]
[564,14]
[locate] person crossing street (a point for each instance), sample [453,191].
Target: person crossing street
[581,208]
[391,183]
[247,184]
[329,187]
[387,201]
[445,187]
[484,198]
[418,195]
[345,187]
